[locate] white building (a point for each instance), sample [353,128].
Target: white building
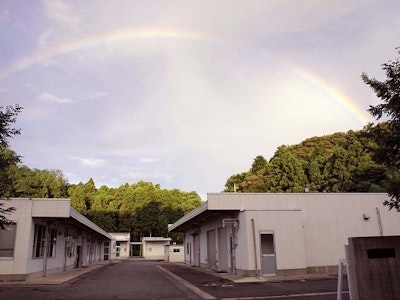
[174,253]
[153,247]
[48,236]
[120,248]
[281,234]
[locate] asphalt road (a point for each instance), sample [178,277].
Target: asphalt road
[159,280]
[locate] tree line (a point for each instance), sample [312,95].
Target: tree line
[340,162]
[142,208]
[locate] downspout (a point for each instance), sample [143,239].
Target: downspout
[65,255]
[45,250]
[254,245]
[233,254]
[379,221]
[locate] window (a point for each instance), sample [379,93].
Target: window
[177,250]
[7,240]
[70,246]
[118,249]
[38,241]
[106,250]
[52,243]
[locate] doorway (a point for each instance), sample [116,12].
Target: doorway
[268,256]
[211,250]
[78,257]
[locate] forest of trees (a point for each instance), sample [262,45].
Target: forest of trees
[143,208]
[340,162]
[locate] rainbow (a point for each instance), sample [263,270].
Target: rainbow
[136,34]
[101,39]
[333,94]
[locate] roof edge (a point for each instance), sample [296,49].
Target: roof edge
[195,212]
[85,221]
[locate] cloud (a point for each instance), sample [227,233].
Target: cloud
[64,18]
[47,97]
[90,162]
[147,160]
[4,16]
[96,95]
[62,12]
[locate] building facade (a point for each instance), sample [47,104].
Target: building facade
[268,234]
[153,247]
[48,236]
[120,245]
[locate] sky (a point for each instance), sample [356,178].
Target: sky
[185,93]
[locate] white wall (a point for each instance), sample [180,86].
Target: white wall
[288,238]
[328,220]
[154,249]
[22,248]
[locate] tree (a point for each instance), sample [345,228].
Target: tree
[389,138]
[8,116]
[8,157]
[5,211]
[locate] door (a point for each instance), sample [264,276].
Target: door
[268,257]
[211,250]
[78,263]
[106,250]
[196,250]
[223,249]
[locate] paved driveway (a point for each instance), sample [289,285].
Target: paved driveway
[136,279]
[126,280]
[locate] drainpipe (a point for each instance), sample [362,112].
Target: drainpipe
[379,221]
[254,245]
[45,250]
[233,254]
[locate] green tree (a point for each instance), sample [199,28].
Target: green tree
[234,183]
[286,172]
[259,163]
[8,158]
[389,142]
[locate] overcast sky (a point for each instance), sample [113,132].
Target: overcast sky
[185,93]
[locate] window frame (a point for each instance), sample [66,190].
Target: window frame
[39,238]
[13,228]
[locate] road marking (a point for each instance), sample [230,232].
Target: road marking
[286,296]
[190,286]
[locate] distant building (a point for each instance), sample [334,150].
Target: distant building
[48,236]
[268,234]
[120,248]
[174,253]
[153,247]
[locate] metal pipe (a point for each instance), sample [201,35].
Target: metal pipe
[379,221]
[45,251]
[254,245]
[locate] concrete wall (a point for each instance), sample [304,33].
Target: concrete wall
[174,253]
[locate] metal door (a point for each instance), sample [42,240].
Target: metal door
[211,250]
[268,257]
[196,250]
[223,249]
